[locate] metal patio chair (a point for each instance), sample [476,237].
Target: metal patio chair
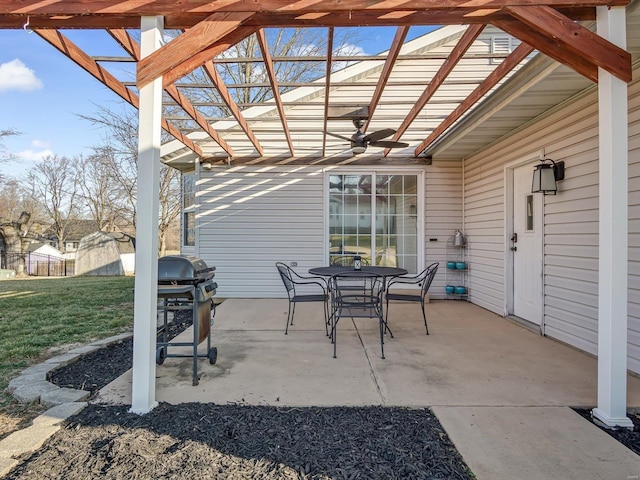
[293,282]
[356,295]
[423,279]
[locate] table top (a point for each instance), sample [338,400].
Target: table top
[378,270]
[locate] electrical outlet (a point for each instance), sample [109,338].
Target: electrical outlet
[294,264]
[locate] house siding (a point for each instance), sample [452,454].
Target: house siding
[443,216]
[250,218]
[570,222]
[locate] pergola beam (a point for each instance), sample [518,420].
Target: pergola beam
[199,59]
[574,39]
[182,21]
[137,8]
[550,48]
[190,43]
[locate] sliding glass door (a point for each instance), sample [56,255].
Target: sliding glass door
[374,216]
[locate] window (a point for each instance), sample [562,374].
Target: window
[188,207]
[374,216]
[529,212]
[188,191]
[189,228]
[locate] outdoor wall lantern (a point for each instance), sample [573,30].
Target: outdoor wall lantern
[545,176]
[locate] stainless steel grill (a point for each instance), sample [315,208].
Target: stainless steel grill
[186,283]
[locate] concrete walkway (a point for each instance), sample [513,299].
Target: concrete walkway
[501,392]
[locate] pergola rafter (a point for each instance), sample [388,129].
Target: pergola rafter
[72,51]
[212,27]
[519,54]
[271,73]
[438,79]
[131,46]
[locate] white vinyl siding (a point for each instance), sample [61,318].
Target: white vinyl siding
[570,222]
[443,216]
[250,218]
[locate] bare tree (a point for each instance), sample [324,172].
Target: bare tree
[119,158]
[53,184]
[6,155]
[102,193]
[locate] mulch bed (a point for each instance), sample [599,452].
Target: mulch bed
[198,441]
[97,369]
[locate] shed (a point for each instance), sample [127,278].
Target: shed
[106,253]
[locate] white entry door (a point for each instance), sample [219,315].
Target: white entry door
[526,247]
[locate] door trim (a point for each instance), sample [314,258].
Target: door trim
[508,231]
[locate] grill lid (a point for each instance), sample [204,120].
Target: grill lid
[183,269]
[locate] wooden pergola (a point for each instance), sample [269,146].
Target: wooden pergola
[209,28]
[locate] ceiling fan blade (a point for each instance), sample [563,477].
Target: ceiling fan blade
[388,144]
[379,134]
[347,139]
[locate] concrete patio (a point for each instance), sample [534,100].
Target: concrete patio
[501,391]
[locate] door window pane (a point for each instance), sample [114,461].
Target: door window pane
[529,213]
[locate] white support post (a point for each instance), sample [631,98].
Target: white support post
[143,387]
[612,282]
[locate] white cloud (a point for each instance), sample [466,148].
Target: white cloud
[38,153]
[348,49]
[40,144]
[15,75]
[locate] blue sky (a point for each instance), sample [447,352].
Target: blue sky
[42,93]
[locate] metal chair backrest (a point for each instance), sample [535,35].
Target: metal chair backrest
[360,293]
[429,273]
[286,276]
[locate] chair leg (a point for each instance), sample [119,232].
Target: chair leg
[424,315]
[326,318]
[382,325]
[386,320]
[290,315]
[334,331]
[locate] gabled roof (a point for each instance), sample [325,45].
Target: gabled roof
[535,90]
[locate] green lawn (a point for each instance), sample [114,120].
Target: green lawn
[39,313]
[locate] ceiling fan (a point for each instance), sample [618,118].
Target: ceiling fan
[359,141]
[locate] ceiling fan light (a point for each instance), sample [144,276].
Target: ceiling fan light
[358,149]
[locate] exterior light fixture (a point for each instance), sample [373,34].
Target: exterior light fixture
[545,176]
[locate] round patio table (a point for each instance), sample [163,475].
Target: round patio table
[378,270]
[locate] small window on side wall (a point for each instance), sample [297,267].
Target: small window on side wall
[189,227]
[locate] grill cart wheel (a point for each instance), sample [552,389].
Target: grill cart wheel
[161,354]
[213,355]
